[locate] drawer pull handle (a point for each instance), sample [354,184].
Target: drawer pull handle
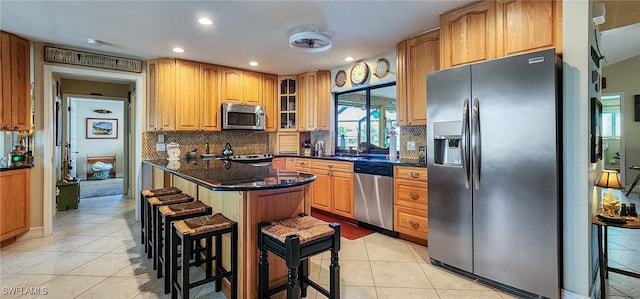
[414,225]
[329,165]
[414,174]
[414,196]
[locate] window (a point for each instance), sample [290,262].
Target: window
[611,117]
[364,118]
[611,126]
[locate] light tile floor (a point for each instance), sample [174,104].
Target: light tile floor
[95,252]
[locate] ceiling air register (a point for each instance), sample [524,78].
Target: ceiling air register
[310,41]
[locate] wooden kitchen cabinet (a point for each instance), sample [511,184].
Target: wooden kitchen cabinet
[270,99]
[416,57]
[15,102]
[410,202]
[198,102]
[14,203]
[468,34]
[288,103]
[333,188]
[525,26]
[241,87]
[491,29]
[314,100]
[188,100]
[161,94]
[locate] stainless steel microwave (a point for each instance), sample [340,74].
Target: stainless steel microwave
[242,117]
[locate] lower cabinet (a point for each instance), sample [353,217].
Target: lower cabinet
[14,203]
[333,188]
[410,202]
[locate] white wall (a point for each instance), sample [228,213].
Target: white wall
[624,77]
[579,197]
[81,109]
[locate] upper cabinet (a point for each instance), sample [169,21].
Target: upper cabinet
[315,101]
[288,103]
[186,95]
[416,57]
[270,100]
[529,25]
[242,87]
[199,96]
[161,94]
[490,29]
[468,34]
[15,113]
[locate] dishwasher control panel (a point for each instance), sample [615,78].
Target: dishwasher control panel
[373,168]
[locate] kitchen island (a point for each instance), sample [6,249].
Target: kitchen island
[245,193]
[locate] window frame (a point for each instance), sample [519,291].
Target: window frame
[367,90]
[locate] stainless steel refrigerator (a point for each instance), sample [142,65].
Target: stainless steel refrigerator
[494,149]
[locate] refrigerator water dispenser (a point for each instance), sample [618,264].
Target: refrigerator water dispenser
[446,142]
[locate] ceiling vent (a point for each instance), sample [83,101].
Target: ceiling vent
[310,41]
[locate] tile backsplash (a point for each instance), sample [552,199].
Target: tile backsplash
[250,142]
[417,134]
[242,142]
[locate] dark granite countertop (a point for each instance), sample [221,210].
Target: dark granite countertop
[399,162]
[16,167]
[222,175]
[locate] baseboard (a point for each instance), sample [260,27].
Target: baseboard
[33,233]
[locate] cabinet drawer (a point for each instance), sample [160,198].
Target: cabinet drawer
[410,194]
[410,222]
[410,173]
[332,165]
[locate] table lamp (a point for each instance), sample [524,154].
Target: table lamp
[610,179]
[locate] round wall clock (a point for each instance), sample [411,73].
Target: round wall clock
[341,78]
[382,68]
[359,73]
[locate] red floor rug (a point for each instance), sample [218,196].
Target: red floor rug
[348,230]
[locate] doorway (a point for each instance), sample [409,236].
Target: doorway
[135,103]
[613,132]
[98,160]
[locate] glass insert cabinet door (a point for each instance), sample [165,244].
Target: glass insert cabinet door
[364,118]
[288,103]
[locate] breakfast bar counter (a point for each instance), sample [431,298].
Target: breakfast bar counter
[245,193]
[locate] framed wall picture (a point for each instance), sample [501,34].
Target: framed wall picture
[102,128]
[636,107]
[596,128]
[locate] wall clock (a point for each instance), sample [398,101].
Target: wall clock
[359,73]
[382,68]
[341,78]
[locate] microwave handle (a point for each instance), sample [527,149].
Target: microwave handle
[257,120]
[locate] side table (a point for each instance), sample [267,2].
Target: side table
[632,223]
[69,196]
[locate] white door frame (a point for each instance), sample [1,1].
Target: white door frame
[48,204]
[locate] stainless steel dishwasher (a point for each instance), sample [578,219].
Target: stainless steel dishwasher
[373,193]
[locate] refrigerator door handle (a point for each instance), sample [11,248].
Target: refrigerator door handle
[464,146]
[475,142]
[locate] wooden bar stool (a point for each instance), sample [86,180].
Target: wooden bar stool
[144,196]
[183,233]
[295,240]
[152,209]
[166,215]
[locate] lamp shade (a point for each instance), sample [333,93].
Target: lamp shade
[609,179]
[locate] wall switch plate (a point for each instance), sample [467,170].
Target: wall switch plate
[161,138]
[161,147]
[411,145]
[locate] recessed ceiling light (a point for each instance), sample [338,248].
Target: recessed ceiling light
[178,50]
[205,21]
[253,63]
[348,58]
[94,42]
